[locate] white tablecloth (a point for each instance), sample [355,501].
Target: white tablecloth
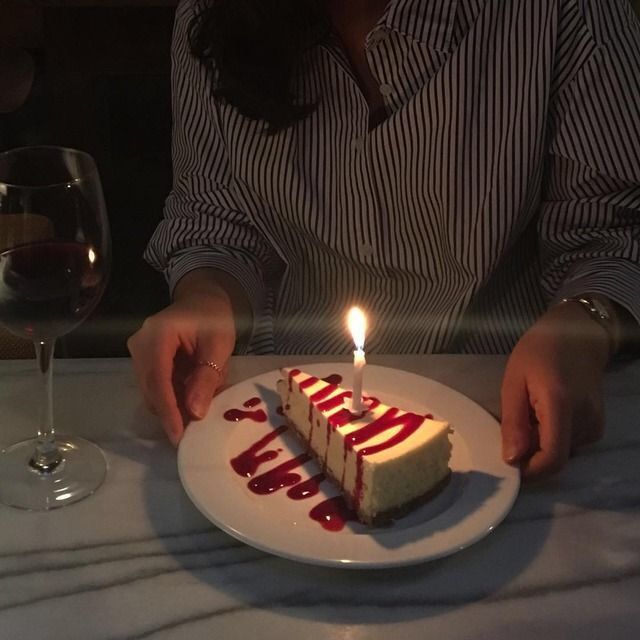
[137,560]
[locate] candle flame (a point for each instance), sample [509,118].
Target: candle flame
[357,323]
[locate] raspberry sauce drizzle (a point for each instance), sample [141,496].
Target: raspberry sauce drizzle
[247,463]
[292,374]
[308,382]
[235,415]
[316,397]
[333,514]
[322,393]
[307,488]
[278,477]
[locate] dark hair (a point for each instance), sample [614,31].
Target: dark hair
[256,47]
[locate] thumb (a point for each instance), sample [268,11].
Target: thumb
[515,424]
[201,385]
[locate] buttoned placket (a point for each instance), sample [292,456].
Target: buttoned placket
[367,225]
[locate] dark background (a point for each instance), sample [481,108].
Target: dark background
[102,85]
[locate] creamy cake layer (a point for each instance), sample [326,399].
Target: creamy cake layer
[383,459]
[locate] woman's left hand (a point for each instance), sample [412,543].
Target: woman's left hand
[552,390]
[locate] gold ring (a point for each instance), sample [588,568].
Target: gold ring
[211,364]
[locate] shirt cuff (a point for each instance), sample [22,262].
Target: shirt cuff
[182,262]
[617,280]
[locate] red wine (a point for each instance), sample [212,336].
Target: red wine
[48,288]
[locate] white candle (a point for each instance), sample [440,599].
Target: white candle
[357,325]
[358,369]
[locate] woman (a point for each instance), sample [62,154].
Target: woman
[467,171]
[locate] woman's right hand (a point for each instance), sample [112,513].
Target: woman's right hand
[171,349]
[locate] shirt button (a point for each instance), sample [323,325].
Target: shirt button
[358,145]
[378,35]
[366,250]
[386,89]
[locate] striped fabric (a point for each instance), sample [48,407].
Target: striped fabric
[505,177]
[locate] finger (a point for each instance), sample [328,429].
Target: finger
[202,384]
[201,387]
[515,423]
[554,432]
[161,395]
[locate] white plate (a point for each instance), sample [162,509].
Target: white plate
[480,494]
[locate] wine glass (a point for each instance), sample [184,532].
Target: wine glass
[55,254]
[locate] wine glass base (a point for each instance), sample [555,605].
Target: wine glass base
[81,472]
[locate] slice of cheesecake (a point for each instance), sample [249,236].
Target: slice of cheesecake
[386,461]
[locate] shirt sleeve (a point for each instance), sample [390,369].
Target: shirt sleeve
[590,219]
[202,225]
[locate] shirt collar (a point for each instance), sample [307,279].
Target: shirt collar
[428,21]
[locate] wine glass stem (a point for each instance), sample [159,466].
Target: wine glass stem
[47,456]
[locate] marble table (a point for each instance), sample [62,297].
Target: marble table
[137,560]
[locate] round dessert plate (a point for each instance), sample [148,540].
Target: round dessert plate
[480,493]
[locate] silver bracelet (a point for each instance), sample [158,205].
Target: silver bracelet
[595,307]
[599,312]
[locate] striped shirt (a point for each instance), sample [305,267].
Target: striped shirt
[505,177]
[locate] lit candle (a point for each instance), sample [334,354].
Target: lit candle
[357,325]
